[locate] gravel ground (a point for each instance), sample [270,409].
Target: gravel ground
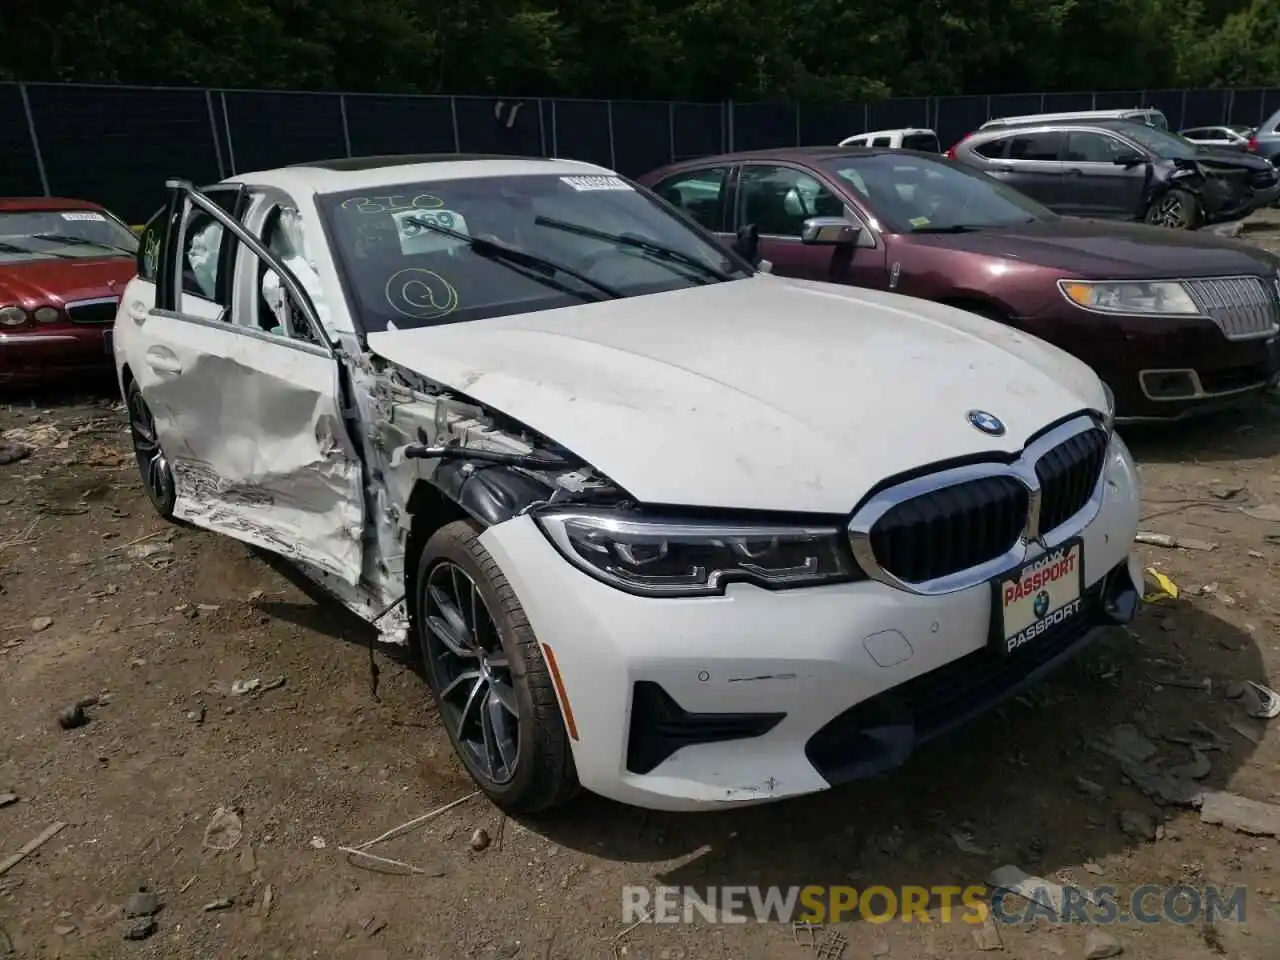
[151,625]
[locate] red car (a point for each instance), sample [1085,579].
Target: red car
[63,265]
[1176,322]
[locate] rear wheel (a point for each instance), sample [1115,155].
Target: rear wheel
[157,476]
[1176,210]
[492,687]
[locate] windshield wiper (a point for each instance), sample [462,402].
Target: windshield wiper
[6,247]
[518,259]
[79,242]
[656,250]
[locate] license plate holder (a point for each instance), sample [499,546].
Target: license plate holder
[1040,597]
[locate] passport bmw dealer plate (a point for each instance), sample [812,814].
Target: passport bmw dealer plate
[1042,596]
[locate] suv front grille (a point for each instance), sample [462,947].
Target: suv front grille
[1242,307]
[1068,475]
[975,521]
[93,311]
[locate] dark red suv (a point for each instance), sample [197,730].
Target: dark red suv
[1175,322]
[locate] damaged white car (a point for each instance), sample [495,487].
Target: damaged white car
[660,525]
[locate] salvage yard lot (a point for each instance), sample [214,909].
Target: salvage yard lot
[153,625]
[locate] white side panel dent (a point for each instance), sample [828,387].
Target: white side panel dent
[251,429]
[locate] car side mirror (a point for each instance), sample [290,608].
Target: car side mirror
[747,243]
[1129,160]
[829,232]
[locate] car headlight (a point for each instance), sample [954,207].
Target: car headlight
[12,316]
[1156,297]
[672,558]
[46,315]
[1109,414]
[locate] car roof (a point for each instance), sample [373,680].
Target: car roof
[36,204]
[1069,115]
[794,154]
[905,131]
[1084,123]
[371,173]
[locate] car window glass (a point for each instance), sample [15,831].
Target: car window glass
[1084,146]
[992,149]
[202,240]
[699,193]
[910,193]
[69,234]
[148,258]
[1162,143]
[1045,146]
[406,258]
[882,142]
[924,142]
[778,200]
[284,234]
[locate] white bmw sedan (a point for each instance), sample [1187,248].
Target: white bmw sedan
[660,524]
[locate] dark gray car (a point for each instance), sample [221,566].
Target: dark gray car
[1116,169]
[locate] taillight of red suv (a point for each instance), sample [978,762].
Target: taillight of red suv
[951,151]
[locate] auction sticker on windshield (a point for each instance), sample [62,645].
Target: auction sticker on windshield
[1041,597]
[584,184]
[416,238]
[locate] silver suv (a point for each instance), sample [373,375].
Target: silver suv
[1115,169]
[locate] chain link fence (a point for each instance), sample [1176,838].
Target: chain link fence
[117,144]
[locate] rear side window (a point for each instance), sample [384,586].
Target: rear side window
[1036,146]
[924,142]
[882,142]
[993,149]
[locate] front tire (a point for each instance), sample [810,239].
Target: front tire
[1177,210]
[153,465]
[491,685]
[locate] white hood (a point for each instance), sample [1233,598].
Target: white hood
[766,393]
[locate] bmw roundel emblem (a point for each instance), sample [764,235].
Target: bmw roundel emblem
[988,423]
[1041,605]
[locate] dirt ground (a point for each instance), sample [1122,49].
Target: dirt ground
[99,599]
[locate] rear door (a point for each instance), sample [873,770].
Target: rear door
[250,419]
[1096,185]
[1032,164]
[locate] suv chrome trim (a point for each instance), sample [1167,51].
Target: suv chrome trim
[1032,542]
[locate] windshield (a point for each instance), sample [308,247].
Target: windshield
[63,235]
[1169,146]
[422,254]
[922,195]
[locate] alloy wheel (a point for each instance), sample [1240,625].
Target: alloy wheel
[1169,213]
[152,463]
[471,672]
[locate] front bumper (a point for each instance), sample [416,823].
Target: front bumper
[1164,368]
[31,356]
[779,671]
